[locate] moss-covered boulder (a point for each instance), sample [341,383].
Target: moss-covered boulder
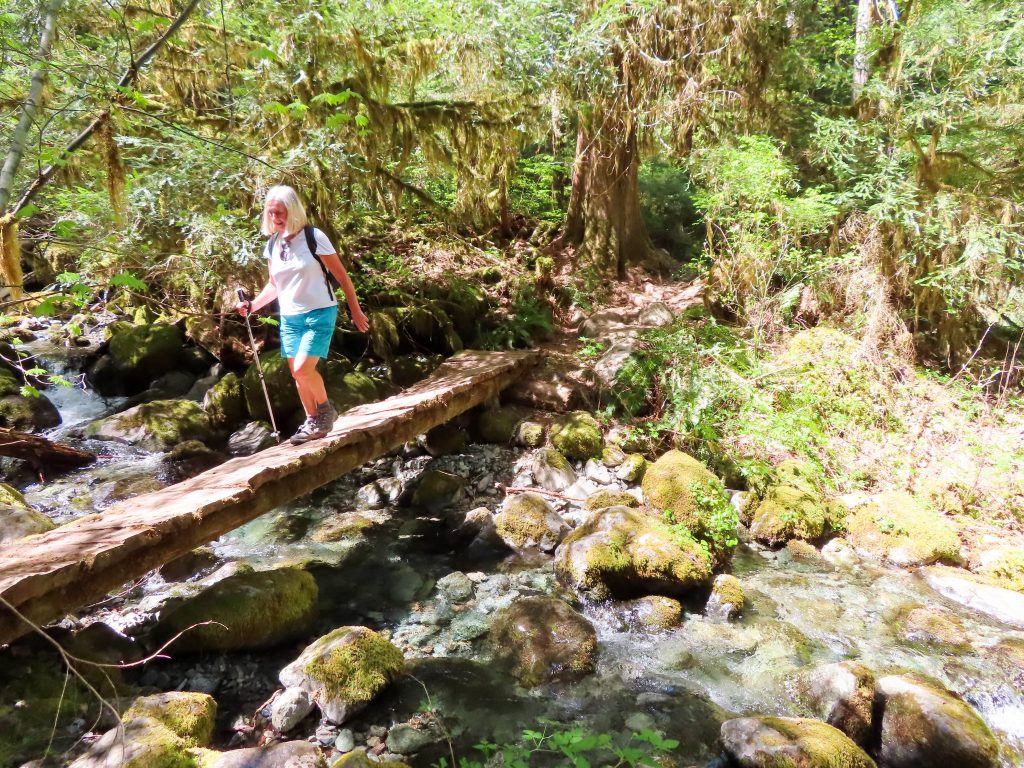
[141,353]
[527,521]
[224,403]
[530,434]
[977,594]
[790,512]
[577,436]
[436,490]
[156,426]
[407,370]
[652,612]
[551,470]
[17,518]
[280,385]
[352,388]
[606,498]
[790,742]
[544,639]
[632,469]
[189,715]
[445,439]
[689,495]
[258,609]
[26,413]
[926,726]
[358,758]
[926,627]
[622,552]
[499,425]
[843,695]
[285,754]
[899,529]
[1004,567]
[345,670]
[727,599]
[140,743]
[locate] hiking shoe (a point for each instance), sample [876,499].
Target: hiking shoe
[310,430]
[326,416]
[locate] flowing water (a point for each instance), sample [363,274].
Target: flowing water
[683,682]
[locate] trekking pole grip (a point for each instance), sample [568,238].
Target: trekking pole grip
[244,297]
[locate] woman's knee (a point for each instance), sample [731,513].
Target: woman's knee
[305,369]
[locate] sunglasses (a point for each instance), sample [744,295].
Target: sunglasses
[286,251]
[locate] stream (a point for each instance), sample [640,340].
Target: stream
[803,610]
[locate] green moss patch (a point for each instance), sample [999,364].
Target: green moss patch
[900,529]
[189,715]
[577,435]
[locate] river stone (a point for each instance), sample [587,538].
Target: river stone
[252,438]
[469,625]
[605,499]
[530,434]
[727,598]
[961,587]
[28,413]
[456,587]
[576,435]
[287,754]
[623,552]
[896,527]
[790,512]
[612,456]
[632,469]
[407,739]
[290,708]
[224,403]
[671,485]
[790,742]
[436,490]
[930,626]
[653,612]
[346,741]
[344,670]
[141,353]
[924,726]
[552,471]
[358,758]
[188,715]
[843,695]
[445,439]
[156,426]
[17,518]
[141,742]
[527,521]
[499,425]
[259,609]
[544,639]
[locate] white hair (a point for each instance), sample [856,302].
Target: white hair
[296,212]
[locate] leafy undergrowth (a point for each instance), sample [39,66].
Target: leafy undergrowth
[866,422]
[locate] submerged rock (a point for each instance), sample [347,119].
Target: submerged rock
[899,529]
[789,742]
[545,640]
[257,610]
[977,594]
[344,670]
[924,726]
[527,521]
[843,695]
[576,435]
[930,626]
[623,552]
[727,598]
[652,612]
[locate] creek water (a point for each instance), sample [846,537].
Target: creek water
[802,612]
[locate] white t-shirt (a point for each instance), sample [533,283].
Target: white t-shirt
[301,284]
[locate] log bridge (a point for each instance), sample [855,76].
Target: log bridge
[49,575]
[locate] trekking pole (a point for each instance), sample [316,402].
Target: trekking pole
[244,297]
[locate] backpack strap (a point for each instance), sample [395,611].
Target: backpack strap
[311,244]
[268,249]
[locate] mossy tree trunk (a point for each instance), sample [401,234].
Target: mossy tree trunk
[603,220]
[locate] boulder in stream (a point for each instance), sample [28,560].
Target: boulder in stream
[544,639]
[527,521]
[977,594]
[623,552]
[500,425]
[926,726]
[577,436]
[727,598]
[156,426]
[258,609]
[17,517]
[224,403]
[344,670]
[843,695]
[898,528]
[774,742]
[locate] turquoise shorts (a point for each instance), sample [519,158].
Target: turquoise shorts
[308,334]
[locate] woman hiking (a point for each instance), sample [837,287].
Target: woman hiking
[308,307]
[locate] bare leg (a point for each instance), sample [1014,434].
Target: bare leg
[308,382]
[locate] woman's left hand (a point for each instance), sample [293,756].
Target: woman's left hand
[360,321]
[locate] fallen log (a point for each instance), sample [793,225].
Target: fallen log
[40,453]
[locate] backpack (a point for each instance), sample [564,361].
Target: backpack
[332,281]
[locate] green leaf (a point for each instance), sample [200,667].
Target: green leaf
[334,99]
[59,380]
[264,54]
[45,308]
[362,121]
[128,280]
[69,278]
[29,391]
[36,371]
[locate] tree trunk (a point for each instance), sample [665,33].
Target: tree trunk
[604,219]
[866,15]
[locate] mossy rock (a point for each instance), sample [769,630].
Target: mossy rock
[653,612]
[1005,570]
[551,470]
[499,425]
[143,352]
[632,469]
[280,385]
[358,758]
[26,413]
[843,695]
[445,439]
[577,436]
[17,518]
[142,743]
[545,640]
[790,742]
[899,529]
[727,597]
[284,754]
[530,434]
[225,404]
[352,388]
[10,384]
[258,610]
[407,370]
[348,525]
[622,552]
[929,627]
[189,715]
[156,426]
[612,456]
[436,490]
[345,670]
[924,725]
[604,499]
[527,521]
[789,512]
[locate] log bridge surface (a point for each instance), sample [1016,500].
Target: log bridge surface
[49,575]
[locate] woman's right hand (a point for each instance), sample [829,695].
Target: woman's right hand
[244,308]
